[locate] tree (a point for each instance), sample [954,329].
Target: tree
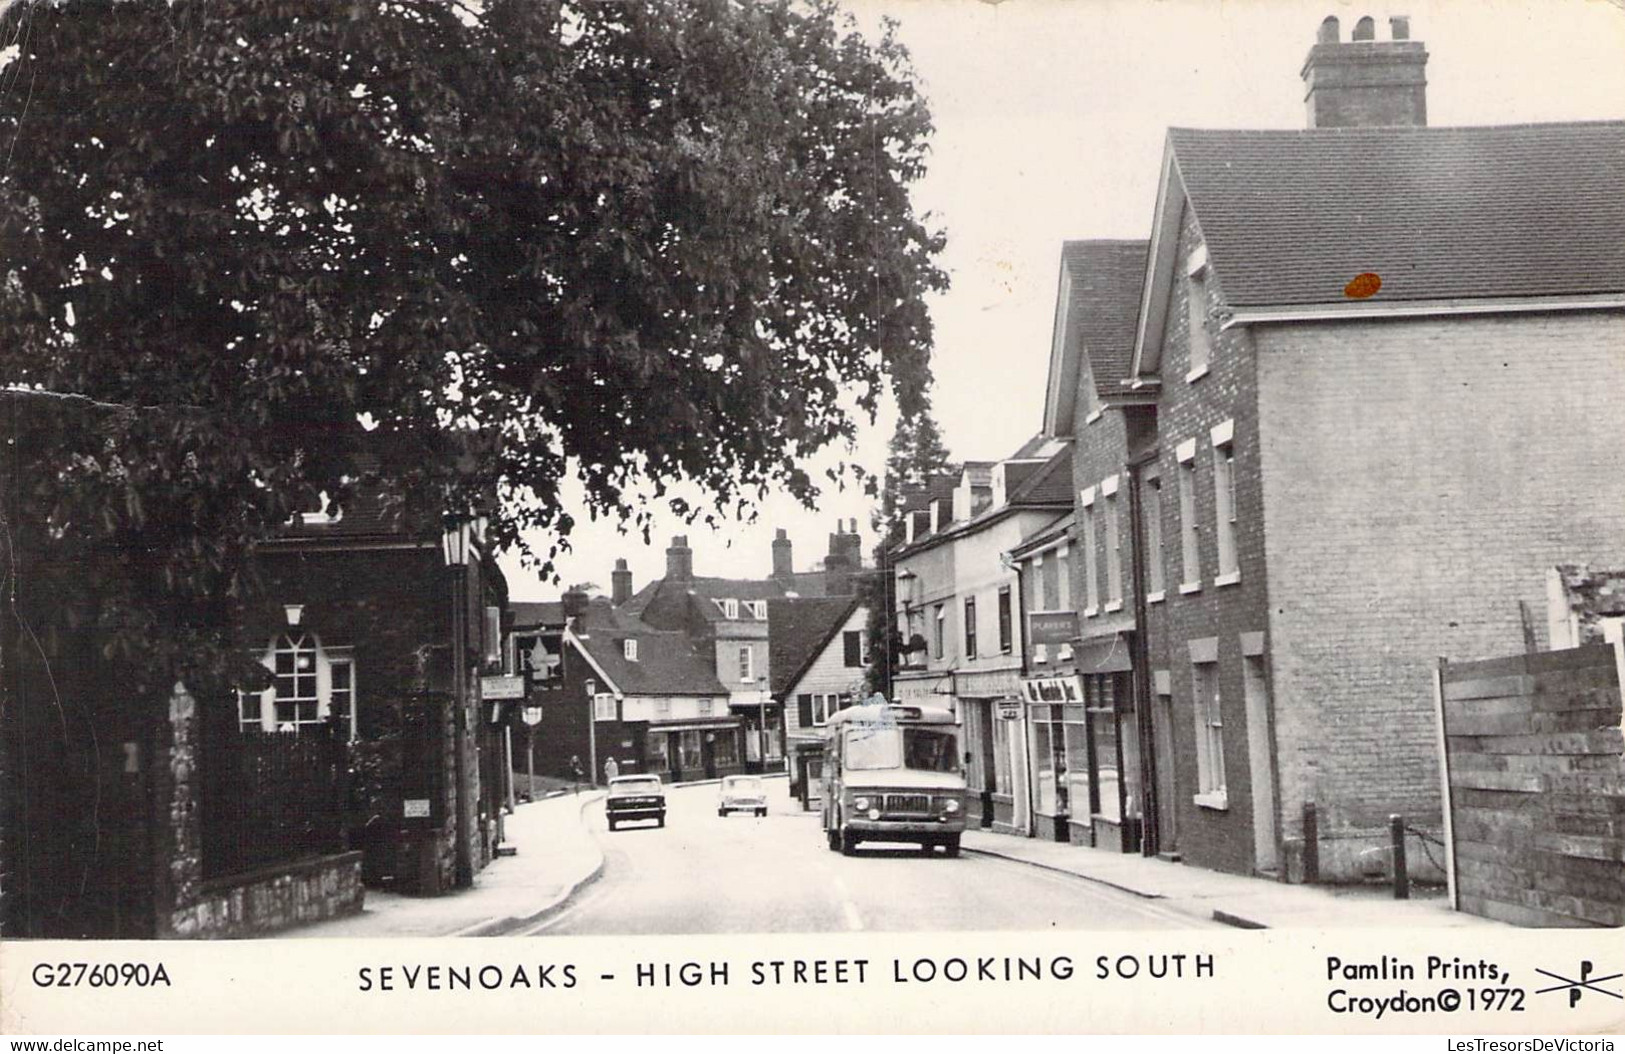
[915,455]
[494,245]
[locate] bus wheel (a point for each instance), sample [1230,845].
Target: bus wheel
[849,843]
[834,839]
[951,846]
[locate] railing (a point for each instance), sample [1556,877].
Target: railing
[270,797]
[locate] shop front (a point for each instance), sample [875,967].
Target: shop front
[1058,759]
[993,739]
[694,750]
[1116,815]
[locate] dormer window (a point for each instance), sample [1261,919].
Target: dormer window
[730,608]
[629,649]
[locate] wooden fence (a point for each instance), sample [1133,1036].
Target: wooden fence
[1535,786]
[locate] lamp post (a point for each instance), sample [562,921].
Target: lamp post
[455,545]
[761,700]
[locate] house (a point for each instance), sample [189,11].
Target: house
[1340,447]
[959,612]
[727,620]
[643,696]
[820,657]
[358,622]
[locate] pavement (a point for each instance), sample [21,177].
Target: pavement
[1236,900]
[557,856]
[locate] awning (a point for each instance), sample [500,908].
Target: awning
[1103,654]
[679,726]
[740,704]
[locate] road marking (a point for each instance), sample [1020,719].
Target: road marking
[854,921]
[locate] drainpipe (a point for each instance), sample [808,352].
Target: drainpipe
[1140,650]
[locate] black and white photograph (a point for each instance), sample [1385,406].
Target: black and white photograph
[781,470]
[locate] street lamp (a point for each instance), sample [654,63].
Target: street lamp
[454,544]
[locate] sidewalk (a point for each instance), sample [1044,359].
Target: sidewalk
[1238,900]
[557,855]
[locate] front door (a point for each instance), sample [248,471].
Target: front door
[708,755]
[1260,773]
[674,755]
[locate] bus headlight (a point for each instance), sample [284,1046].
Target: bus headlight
[951,805]
[861,804]
[874,814]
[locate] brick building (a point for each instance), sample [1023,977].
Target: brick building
[1372,399]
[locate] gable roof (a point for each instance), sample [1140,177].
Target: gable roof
[537,613]
[1096,305]
[667,662]
[1053,531]
[1045,485]
[799,629]
[1475,216]
[1437,213]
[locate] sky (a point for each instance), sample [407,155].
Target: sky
[1050,117]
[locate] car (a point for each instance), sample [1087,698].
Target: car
[638,797]
[742,794]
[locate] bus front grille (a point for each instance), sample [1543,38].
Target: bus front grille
[914,803]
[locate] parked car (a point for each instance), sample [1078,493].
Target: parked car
[635,798]
[742,794]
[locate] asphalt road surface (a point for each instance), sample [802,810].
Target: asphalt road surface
[702,873]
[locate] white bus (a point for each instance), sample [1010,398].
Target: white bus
[892,774]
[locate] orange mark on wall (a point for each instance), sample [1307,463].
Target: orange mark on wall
[1362,286]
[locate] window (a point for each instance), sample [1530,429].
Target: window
[1209,734]
[1063,574]
[970,627]
[940,639]
[662,707]
[309,686]
[1196,313]
[1192,567]
[1006,621]
[823,706]
[864,655]
[703,705]
[852,648]
[297,700]
[747,664]
[603,706]
[1153,539]
[1091,573]
[341,691]
[1224,500]
[759,609]
[493,635]
[730,608]
[1040,653]
[629,649]
[1114,555]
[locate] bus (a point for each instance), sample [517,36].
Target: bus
[892,774]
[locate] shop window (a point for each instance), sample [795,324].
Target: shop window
[688,747]
[1006,622]
[1001,753]
[725,748]
[1209,734]
[1046,779]
[1075,733]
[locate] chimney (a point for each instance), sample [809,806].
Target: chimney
[783,567]
[1366,82]
[679,560]
[844,558]
[620,583]
[575,605]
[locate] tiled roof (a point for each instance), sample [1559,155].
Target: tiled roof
[543,613]
[1591,595]
[1290,217]
[1051,484]
[1106,278]
[798,630]
[667,662]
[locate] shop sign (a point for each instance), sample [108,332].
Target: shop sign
[1010,709]
[1052,690]
[415,808]
[1053,628]
[503,686]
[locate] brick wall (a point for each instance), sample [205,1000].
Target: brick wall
[1421,477]
[1188,410]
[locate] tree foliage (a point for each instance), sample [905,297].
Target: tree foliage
[496,245]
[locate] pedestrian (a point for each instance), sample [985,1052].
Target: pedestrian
[611,769]
[575,771]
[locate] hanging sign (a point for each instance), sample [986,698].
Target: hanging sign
[532,715]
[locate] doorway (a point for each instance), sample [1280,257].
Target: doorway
[1260,772]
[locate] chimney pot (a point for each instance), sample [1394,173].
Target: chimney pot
[1400,27]
[679,559]
[574,604]
[1365,29]
[1330,31]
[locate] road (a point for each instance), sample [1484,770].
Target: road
[702,873]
